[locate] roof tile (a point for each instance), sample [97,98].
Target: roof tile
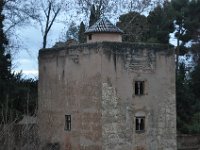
[103,25]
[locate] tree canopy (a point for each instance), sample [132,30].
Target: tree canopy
[160,24]
[18,96]
[135,27]
[81,35]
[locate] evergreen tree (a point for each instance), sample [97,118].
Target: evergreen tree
[81,35]
[24,96]
[94,15]
[5,71]
[135,27]
[195,77]
[4,57]
[185,99]
[72,32]
[193,23]
[17,96]
[188,103]
[188,100]
[160,24]
[180,10]
[187,21]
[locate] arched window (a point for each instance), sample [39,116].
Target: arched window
[140,122]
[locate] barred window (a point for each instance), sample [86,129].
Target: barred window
[68,122]
[140,124]
[139,87]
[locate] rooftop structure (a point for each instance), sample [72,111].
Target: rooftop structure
[103,25]
[103,30]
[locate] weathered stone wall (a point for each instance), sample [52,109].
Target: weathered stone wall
[95,84]
[70,84]
[126,65]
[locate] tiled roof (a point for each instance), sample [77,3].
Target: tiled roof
[103,25]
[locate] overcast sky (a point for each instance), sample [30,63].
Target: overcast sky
[26,60]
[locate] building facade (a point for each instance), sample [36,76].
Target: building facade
[107,96]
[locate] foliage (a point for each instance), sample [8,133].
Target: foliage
[180,11]
[20,97]
[81,35]
[185,99]
[17,96]
[94,15]
[5,63]
[194,126]
[135,27]
[72,32]
[154,28]
[194,22]
[110,7]
[195,81]
[97,7]
[160,24]
[25,95]
[188,99]
[187,22]
[4,57]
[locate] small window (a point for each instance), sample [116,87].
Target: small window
[139,87]
[139,124]
[90,36]
[68,122]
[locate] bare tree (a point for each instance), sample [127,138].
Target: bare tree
[110,7]
[51,11]
[101,5]
[22,13]
[18,13]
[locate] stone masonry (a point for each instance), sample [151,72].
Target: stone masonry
[95,84]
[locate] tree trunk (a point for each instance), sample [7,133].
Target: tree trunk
[177,55]
[44,40]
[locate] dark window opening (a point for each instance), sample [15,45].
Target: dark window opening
[68,122]
[90,36]
[139,87]
[139,123]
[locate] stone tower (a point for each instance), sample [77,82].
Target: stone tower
[107,96]
[103,30]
